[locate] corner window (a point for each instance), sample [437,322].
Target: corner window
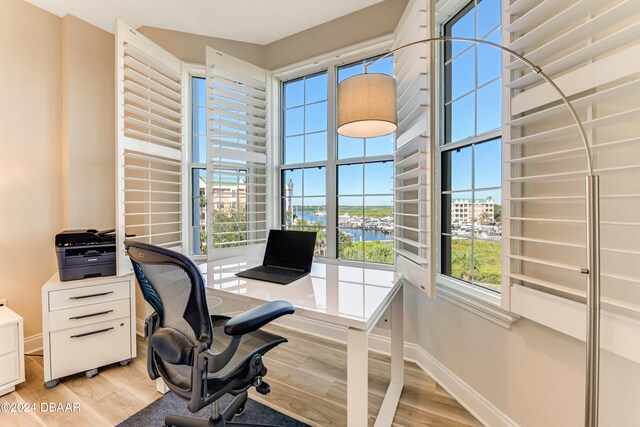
[340,187]
[470,152]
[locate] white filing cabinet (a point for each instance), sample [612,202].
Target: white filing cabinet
[11,350]
[87,324]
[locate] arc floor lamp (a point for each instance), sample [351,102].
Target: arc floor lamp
[367,108]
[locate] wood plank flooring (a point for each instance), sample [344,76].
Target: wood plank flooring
[307,377]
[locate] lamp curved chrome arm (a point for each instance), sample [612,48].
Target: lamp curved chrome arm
[592,200]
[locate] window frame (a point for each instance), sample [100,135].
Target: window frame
[490,305]
[329,63]
[191,71]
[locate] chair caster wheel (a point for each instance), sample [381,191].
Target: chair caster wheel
[125,362]
[91,373]
[51,384]
[240,410]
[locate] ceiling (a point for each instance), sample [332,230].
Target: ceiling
[254,21]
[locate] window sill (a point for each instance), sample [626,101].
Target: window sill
[483,303]
[353,263]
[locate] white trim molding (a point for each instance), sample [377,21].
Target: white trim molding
[485,304]
[473,401]
[336,57]
[33,343]
[140,327]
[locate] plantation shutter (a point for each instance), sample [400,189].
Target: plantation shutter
[414,222]
[150,145]
[237,135]
[592,51]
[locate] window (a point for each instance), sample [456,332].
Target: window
[228,185]
[470,152]
[305,119]
[340,187]
[304,189]
[198,166]
[228,119]
[365,211]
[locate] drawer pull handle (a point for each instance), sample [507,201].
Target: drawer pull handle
[91,333]
[91,315]
[92,295]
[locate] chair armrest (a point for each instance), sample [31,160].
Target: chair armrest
[254,319]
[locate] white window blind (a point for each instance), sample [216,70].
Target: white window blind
[150,182]
[237,135]
[413,156]
[592,50]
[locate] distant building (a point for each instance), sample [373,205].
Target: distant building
[464,211]
[228,196]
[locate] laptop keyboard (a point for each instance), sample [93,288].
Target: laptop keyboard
[280,271]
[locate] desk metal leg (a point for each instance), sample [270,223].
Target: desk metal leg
[392,396]
[357,378]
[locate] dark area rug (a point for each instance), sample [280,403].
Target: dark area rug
[153,415]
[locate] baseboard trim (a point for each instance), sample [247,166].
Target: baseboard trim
[33,343]
[473,401]
[140,327]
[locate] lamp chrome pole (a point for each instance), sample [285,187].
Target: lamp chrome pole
[593,300]
[592,201]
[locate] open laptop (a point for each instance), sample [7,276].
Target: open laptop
[287,258]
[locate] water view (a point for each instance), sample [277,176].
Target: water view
[373,228]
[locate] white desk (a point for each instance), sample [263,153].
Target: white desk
[350,297]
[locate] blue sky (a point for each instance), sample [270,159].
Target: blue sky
[305,131]
[471,91]
[468,89]
[488,172]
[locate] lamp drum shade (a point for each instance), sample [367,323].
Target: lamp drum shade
[367,106]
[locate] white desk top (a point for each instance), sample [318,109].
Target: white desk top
[353,297]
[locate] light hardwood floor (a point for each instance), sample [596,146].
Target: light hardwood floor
[307,377]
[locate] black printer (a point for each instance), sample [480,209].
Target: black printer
[86,253]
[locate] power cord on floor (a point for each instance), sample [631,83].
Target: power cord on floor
[36,355]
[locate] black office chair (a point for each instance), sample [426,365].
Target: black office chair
[200,357]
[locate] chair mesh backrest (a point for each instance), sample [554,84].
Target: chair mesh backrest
[173,286]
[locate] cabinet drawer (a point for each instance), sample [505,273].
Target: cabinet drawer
[88,314]
[8,338]
[90,294]
[9,368]
[87,347]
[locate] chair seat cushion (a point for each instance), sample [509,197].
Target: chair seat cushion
[172,346]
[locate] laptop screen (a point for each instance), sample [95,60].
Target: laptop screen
[290,249]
